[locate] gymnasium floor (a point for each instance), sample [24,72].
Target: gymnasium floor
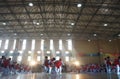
[63,76]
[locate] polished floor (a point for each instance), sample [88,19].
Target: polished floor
[63,76]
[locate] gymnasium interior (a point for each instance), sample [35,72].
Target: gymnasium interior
[80,32]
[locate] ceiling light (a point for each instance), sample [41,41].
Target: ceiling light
[94,34]
[89,40]
[25,22]
[105,24]
[110,40]
[68,34]
[34,22]
[31,4]
[38,23]
[72,24]
[79,5]
[119,35]
[4,23]
[41,34]
[15,33]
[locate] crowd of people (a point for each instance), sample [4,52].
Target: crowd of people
[53,66]
[7,67]
[109,66]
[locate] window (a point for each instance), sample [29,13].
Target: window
[57,57]
[67,52]
[24,44]
[69,44]
[48,57]
[38,52]
[51,44]
[0,43]
[60,44]
[2,51]
[67,58]
[20,52]
[48,52]
[19,58]
[38,58]
[42,44]
[6,44]
[29,58]
[29,52]
[14,44]
[11,51]
[33,45]
[57,52]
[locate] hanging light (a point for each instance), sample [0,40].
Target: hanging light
[30,4]
[79,5]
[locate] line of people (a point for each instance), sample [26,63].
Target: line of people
[53,66]
[7,67]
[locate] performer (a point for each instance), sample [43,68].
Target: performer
[46,65]
[52,65]
[118,65]
[108,64]
[58,66]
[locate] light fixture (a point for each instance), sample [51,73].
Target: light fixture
[68,34]
[110,40]
[41,34]
[38,23]
[4,23]
[119,35]
[79,5]
[32,63]
[89,40]
[94,34]
[105,24]
[30,4]
[34,22]
[15,33]
[72,24]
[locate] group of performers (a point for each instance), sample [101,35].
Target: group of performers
[53,66]
[109,64]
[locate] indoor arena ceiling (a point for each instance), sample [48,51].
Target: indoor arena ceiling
[85,19]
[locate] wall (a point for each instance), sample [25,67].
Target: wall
[80,47]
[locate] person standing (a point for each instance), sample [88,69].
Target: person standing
[46,65]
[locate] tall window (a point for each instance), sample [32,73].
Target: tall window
[60,44]
[67,58]
[69,44]
[6,44]
[0,43]
[29,58]
[24,44]
[14,44]
[19,58]
[38,58]
[42,44]
[51,44]
[33,45]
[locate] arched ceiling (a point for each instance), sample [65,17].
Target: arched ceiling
[60,19]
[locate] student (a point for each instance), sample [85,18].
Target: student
[58,66]
[46,64]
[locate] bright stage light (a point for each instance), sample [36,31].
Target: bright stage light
[77,63]
[33,63]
